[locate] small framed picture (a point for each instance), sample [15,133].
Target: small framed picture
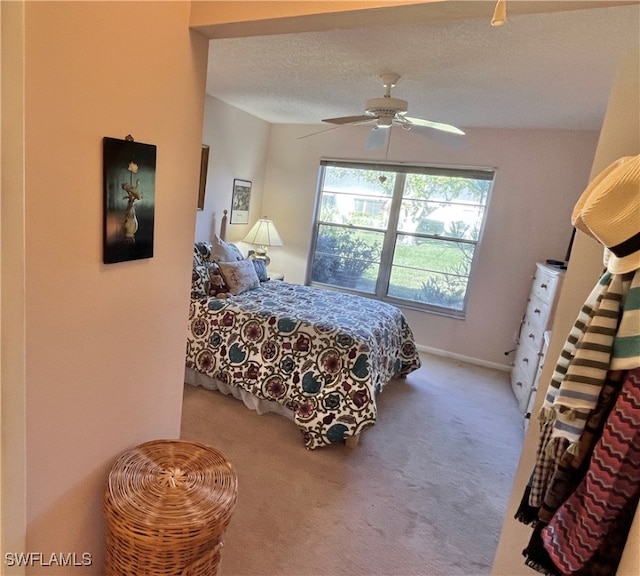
[204,166]
[129,200]
[240,201]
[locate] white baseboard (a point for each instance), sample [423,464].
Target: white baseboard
[462,358]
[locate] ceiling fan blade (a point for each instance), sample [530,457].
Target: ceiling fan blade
[349,119]
[446,139]
[431,124]
[361,120]
[358,120]
[378,137]
[319,132]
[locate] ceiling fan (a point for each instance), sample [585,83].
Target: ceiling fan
[385,112]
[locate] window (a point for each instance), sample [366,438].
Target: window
[404,234]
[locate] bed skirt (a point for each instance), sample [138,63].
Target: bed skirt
[195,378]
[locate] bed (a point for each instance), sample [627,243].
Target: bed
[317,356]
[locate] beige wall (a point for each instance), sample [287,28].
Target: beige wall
[219,12]
[103,344]
[620,136]
[539,175]
[12,265]
[227,19]
[238,149]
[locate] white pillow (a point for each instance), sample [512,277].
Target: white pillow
[239,276]
[222,252]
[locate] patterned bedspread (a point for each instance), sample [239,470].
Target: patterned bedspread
[323,354]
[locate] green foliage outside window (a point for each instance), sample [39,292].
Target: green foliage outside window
[429,219]
[446,290]
[342,256]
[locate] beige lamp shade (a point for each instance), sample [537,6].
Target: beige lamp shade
[263,233]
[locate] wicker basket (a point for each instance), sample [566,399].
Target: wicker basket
[167,504]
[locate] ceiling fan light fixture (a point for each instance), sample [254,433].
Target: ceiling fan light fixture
[386,106]
[499,13]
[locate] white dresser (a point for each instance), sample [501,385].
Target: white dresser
[536,321]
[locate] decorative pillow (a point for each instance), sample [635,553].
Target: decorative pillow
[261,269]
[223,252]
[238,252]
[239,276]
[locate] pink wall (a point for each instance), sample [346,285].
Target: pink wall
[104,344]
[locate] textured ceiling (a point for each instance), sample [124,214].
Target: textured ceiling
[539,70]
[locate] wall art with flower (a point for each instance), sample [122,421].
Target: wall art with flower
[129,199]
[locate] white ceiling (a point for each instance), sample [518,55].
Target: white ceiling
[539,70]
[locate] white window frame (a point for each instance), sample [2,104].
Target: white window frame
[391,232]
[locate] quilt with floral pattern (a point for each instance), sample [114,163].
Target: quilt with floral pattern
[323,354]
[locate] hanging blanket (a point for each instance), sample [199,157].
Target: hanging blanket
[604,503]
[568,473]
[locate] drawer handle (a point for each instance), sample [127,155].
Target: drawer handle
[526,360]
[518,383]
[532,336]
[536,311]
[543,286]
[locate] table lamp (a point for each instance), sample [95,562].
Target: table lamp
[263,234]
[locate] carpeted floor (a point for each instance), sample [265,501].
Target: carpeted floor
[424,493]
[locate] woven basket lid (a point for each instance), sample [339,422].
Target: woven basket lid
[172,486]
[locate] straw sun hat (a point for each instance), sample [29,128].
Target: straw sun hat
[609,211]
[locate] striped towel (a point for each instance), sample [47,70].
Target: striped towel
[577,394]
[626,346]
[549,453]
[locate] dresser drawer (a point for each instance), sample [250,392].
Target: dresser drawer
[531,336]
[537,314]
[545,284]
[527,358]
[522,384]
[538,377]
